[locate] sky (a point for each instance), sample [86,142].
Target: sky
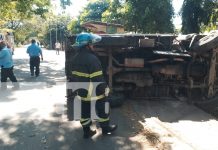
[177,4]
[77,6]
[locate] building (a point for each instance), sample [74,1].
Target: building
[103,28]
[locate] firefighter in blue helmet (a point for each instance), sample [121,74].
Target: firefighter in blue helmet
[86,68]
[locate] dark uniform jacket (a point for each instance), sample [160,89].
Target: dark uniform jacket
[86,69]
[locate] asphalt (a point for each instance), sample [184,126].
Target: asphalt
[33,117]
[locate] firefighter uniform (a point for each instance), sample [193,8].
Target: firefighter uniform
[86,68]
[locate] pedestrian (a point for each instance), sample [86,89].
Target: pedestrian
[10,41]
[6,64]
[34,52]
[10,48]
[38,44]
[86,68]
[57,47]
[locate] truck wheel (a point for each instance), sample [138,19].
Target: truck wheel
[116,100]
[206,43]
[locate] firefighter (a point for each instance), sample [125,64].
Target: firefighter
[86,68]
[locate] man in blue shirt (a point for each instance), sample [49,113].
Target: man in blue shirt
[6,64]
[34,52]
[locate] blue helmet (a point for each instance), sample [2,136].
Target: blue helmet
[84,39]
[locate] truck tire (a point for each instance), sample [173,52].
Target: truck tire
[116,100]
[206,43]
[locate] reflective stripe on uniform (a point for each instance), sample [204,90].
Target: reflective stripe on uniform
[95,74]
[86,75]
[93,98]
[85,121]
[103,119]
[90,88]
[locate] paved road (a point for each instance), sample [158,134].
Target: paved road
[33,118]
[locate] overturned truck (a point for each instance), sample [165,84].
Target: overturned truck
[152,66]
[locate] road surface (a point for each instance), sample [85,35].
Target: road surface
[33,117]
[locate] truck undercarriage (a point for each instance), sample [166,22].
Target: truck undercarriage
[159,66]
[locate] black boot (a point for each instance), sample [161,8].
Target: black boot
[88,132]
[107,130]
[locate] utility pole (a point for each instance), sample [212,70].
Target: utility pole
[56,33]
[50,45]
[50,41]
[60,37]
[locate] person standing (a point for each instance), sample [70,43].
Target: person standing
[6,64]
[86,68]
[57,47]
[10,42]
[34,52]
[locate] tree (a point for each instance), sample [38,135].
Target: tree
[26,7]
[115,12]
[31,28]
[13,12]
[149,16]
[74,26]
[145,16]
[94,11]
[196,13]
[56,29]
[64,3]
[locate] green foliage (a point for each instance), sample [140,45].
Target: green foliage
[26,7]
[94,11]
[115,13]
[30,18]
[197,13]
[74,26]
[56,29]
[65,3]
[14,11]
[30,28]
[45,29]
[149,16]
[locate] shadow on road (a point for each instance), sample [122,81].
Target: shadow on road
[31,121]
[49,71]
[51,74]
[27,131]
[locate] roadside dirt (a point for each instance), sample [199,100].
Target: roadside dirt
[143,134]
